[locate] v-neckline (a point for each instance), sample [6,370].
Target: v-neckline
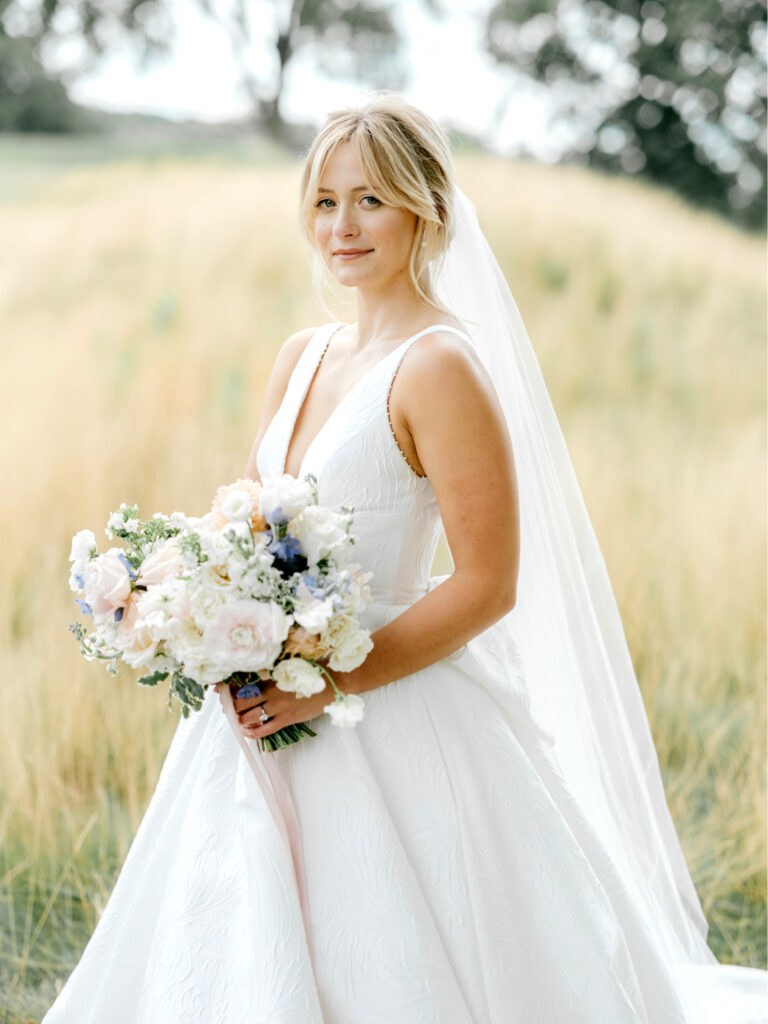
[344,398]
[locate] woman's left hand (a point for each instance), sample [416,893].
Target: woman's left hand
[283,708]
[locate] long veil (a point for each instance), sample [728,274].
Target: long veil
[566,620]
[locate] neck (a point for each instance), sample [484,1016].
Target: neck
[389,311]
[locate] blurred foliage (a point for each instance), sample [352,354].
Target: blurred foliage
[354,39]
[30,99]
[675,91]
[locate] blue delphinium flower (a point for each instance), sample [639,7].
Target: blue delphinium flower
[131,571]
[248,691]
[277,516]
[85,608]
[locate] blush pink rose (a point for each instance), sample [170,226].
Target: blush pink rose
[107,585]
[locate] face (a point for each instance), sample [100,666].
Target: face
[364,242]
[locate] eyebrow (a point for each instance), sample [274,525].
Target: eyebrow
[357,188]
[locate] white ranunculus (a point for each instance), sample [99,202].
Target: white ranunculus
[295,675]
[284,492]
[346,712]
[320,531]
[83,543]
[237,506]
[246,635]
[352,651]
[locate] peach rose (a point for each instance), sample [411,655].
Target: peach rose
[309,645]
[253,489]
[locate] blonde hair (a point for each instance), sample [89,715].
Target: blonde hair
[406,158]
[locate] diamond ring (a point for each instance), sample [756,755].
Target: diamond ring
[263,717]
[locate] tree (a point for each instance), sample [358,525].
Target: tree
[355,38]
[674,91]
[30,99]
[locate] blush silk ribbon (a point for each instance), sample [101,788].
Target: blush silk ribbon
[278,799]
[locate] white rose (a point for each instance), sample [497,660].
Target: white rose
[285,493]
[161,563]
[237,507]
[341,626]
[347,711]
[295,675]
[352,651]
[319,530]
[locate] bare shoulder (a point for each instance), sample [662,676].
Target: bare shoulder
[442,359]
[290,351]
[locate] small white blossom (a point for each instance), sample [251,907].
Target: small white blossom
[347,711]
[295,675]
[237,506]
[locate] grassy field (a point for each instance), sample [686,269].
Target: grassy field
[141,304]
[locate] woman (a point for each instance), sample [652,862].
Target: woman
[491,843]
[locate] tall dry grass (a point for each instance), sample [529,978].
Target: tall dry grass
[141,305]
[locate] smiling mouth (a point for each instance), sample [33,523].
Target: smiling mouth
[352,255]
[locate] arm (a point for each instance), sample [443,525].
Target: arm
[460,435]
[286,360]
[459,432]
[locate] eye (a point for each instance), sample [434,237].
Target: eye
[319,204]
[375,200]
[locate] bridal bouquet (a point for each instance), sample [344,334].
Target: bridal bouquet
[262,586]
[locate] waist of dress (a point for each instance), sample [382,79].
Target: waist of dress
[386,604]
[404,596]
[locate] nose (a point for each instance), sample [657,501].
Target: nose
[345,224]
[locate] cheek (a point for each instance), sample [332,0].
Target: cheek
[322,231]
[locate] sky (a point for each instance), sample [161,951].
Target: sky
[451,78]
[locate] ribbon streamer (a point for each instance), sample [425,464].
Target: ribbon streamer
[279,801]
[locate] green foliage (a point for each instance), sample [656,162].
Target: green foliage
[671,91]
[30,99]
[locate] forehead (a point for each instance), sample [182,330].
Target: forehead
[343,170]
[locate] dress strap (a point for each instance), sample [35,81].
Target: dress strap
[407,344]
[310,358]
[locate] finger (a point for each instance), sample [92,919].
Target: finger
[260,731]
[253,716]
[246,703]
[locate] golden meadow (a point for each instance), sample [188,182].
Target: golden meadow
[142,302]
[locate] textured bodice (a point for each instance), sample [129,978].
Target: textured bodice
[357,462]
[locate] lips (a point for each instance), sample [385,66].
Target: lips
[351,254]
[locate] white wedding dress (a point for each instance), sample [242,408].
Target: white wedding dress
[452,877]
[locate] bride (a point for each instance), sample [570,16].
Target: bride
[491,844]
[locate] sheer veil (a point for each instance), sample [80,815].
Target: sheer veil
[566,621]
